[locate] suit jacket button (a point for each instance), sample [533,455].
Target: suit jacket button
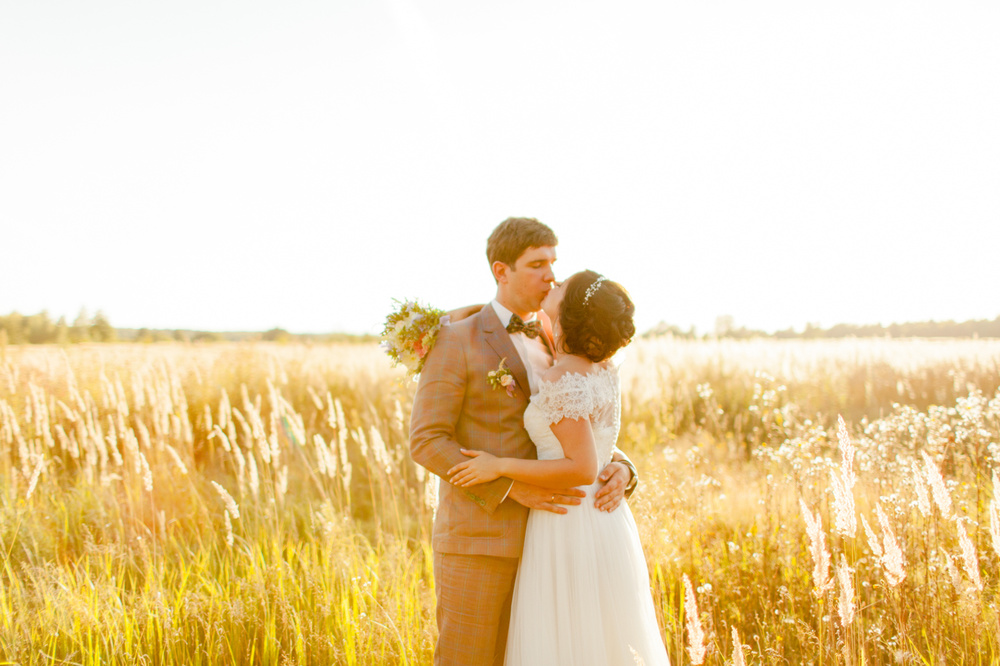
[482,502]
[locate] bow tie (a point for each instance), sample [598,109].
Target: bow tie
[532,329]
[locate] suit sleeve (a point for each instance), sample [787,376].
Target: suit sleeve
[437,407]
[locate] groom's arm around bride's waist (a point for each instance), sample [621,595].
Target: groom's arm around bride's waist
[437,408]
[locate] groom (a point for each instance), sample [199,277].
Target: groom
[479,532]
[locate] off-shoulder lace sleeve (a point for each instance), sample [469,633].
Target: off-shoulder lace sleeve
[570,397]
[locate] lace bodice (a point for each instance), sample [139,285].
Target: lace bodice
[576,396]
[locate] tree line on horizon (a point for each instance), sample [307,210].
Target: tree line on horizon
[18,329]
[725,328]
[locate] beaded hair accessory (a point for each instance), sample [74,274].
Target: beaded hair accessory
[592,289]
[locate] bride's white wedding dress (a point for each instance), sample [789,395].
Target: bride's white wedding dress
[582,594]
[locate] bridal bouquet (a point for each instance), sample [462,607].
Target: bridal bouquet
[409,334]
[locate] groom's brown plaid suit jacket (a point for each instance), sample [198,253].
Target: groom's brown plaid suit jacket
[455,407]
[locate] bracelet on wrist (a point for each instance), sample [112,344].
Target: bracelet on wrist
[634,479]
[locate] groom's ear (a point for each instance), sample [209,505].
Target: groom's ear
[500,271]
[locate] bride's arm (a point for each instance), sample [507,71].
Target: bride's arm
[578,468]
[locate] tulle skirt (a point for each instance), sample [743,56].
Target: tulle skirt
[582,594]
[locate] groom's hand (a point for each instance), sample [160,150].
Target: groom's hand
[616,477]
[546,499]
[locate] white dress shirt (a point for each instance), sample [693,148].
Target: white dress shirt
[533,352]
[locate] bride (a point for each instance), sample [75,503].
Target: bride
[582,592]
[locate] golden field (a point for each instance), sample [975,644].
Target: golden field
[255,503]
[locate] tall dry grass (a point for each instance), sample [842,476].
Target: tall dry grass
[239,504]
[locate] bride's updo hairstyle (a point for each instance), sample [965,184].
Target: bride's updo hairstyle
[595,317]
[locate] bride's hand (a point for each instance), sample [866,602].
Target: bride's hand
[482,468]
[458,314]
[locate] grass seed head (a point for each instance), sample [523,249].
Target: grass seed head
[949,564]
[147,473]
[892,557]
[873,542]
[696,636]
[934,479]
[845,605]
[970,561]
[230,503]
[178,463]
[923,499]
[994,512]
[817,548]
[35,475]
[847,451]
[845,520]
[738,658]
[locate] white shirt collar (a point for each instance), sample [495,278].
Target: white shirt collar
[504,314]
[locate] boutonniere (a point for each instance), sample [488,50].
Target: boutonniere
[502,378]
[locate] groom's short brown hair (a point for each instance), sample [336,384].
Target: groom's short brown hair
[515,235]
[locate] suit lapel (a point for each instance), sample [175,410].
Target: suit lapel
[498,338]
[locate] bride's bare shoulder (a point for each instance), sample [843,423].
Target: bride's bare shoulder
[566,366]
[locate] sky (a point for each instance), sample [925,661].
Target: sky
[245,165]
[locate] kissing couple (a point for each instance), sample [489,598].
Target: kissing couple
[537,559]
